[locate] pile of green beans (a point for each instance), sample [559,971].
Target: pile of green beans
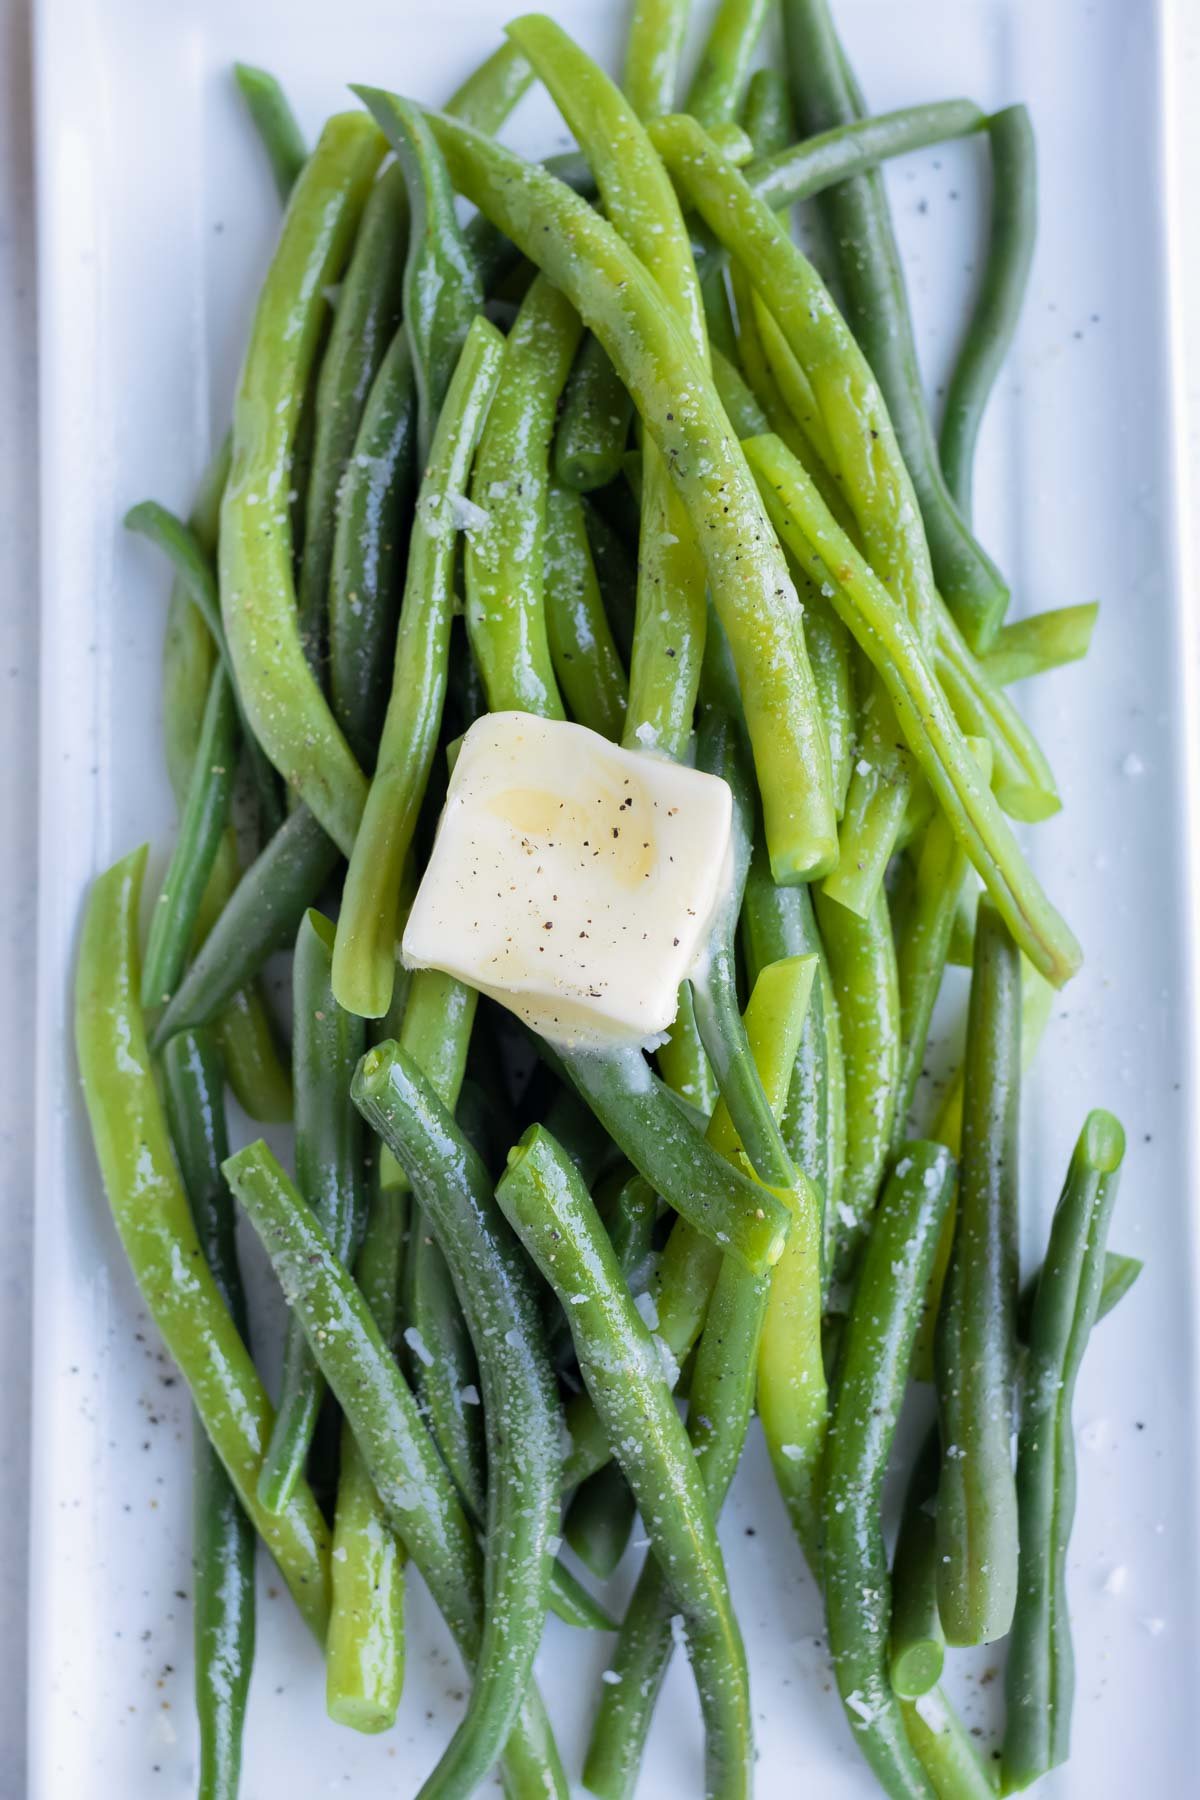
[683,499]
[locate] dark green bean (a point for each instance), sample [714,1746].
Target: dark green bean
[767,113]
[366,574]
[326,1045]
[364,324]
[202,824]
[1001,295]
[822,160]
[1040,1674]
[442,1367]
[643,1116]
[263,915]
[520,1404]
[593,426]
[275,123]
[586,660]
[975,1345]
[404,1464]
[877,310]
[876,1353]
[222,1536]
[542,1196]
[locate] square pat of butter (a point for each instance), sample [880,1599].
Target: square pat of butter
[573,881]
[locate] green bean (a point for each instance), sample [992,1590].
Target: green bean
[862,967]
[877,311]
[975,1346]
[668,634]
[652,55]
[923,943]
[875,1358]
[822,160]
[1040,1673]
[1044,641]
[779,922]
[599,1520]
[884,633]
[326,1045]
[366,574]
[848,401]
[718,317]
[918,1643]
[682,1062]
[1120,1273]
[273,119]
[285,708]
[442,287]
[1021,777]
[505,554]
[519,1401]
[586,660]
[543,1198]
[364,1651]
[261,916]
[715,96]
[944,1749]
[222,1534]
[876,805]
[152,1217]
[719,1407]
[767,113]
[416,1491]
[753,363]
[1001,295]
[364,323]
[714,982]
[644,1118]
[612,292]
[364,958]
[194,575]
[442,1367]
[488,95]
[593,426]
[201,828]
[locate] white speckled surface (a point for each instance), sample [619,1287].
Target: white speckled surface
[1074,497]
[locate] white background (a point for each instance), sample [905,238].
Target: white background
[18,737]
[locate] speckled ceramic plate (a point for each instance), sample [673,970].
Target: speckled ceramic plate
[156,219]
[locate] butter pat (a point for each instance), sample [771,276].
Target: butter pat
[573,881]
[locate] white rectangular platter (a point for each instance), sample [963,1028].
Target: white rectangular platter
[156,217]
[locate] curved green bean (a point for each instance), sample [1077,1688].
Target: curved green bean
[150,1211]
[585,657]
[876,1352]
[843,151]
[1044,641]
[883,631]
[223,1540]
[364,957]
[262,915]
[1040,1674]
[877,310]
[504,561]
[615,297]
[286,710]
[275,123]
[543,1198]
[719,84]
[1001,295]
[767,113]
[975,1344]
[400,1455]
[326,1045]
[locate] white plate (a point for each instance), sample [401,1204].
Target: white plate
[156,217]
